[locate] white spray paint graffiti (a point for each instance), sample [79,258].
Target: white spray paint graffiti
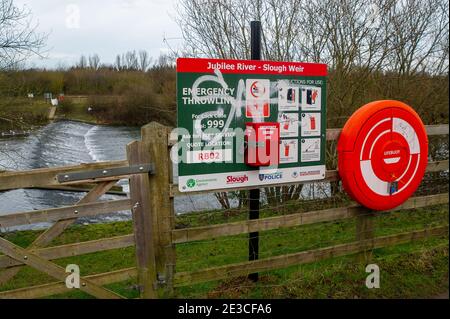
[237,103]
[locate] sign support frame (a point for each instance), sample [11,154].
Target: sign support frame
[254,194]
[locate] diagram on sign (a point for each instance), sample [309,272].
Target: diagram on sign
[289,151]
[257,98]
[310,150]
[310,98]
[288,124]
[288,97]
[310,124]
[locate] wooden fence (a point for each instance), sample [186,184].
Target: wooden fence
[149,170]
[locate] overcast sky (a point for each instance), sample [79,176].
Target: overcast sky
[105,27]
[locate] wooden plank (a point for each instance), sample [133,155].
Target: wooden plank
[437,166]
[68,212]
[143,225]
[115,190]
[60,287]
[244,268]
[332,134]
[74,249]
[330,175]
[291,220]
[47,176]
[55,230]
[154,136]
[53,270]
[440,129]
[365,231]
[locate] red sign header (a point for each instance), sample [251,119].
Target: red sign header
[194,65]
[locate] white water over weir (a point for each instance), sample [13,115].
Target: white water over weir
[69,143]
[65,143]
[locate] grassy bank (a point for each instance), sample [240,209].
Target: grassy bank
[25,114]
[76,109]
[22,113]
[413,270]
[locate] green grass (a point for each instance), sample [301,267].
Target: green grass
[24,114]
[413,270]
[76,109]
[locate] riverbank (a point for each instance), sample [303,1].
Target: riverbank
[22,114]
[76,109]
[413,270]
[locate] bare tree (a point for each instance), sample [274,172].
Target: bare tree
[362,41]
[18,36]
[130,60]
[118,63]
[144,60]
[419,36]
[94,61]
[82,63]
[406,36]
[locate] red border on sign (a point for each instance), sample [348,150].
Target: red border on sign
[196,65]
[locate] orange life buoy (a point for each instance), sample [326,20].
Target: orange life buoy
[382,154]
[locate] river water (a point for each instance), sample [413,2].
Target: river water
[69,143]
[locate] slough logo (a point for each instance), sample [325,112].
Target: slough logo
[272,176]
[237,179]
[190,183]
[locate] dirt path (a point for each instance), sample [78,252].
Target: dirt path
[441,296]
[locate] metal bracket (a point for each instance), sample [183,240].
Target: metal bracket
[160,280]
[393,187]
[110,172]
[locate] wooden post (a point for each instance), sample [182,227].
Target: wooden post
[143,212]
[365,231]
[156,143]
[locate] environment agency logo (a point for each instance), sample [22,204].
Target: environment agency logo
[190,183]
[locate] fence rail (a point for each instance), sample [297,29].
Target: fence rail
[48,176]
[74,249]
[283,261]
[55,214]
[60,287]
[154,234]
[292,220]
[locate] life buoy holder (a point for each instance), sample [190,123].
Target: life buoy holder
[382,154]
